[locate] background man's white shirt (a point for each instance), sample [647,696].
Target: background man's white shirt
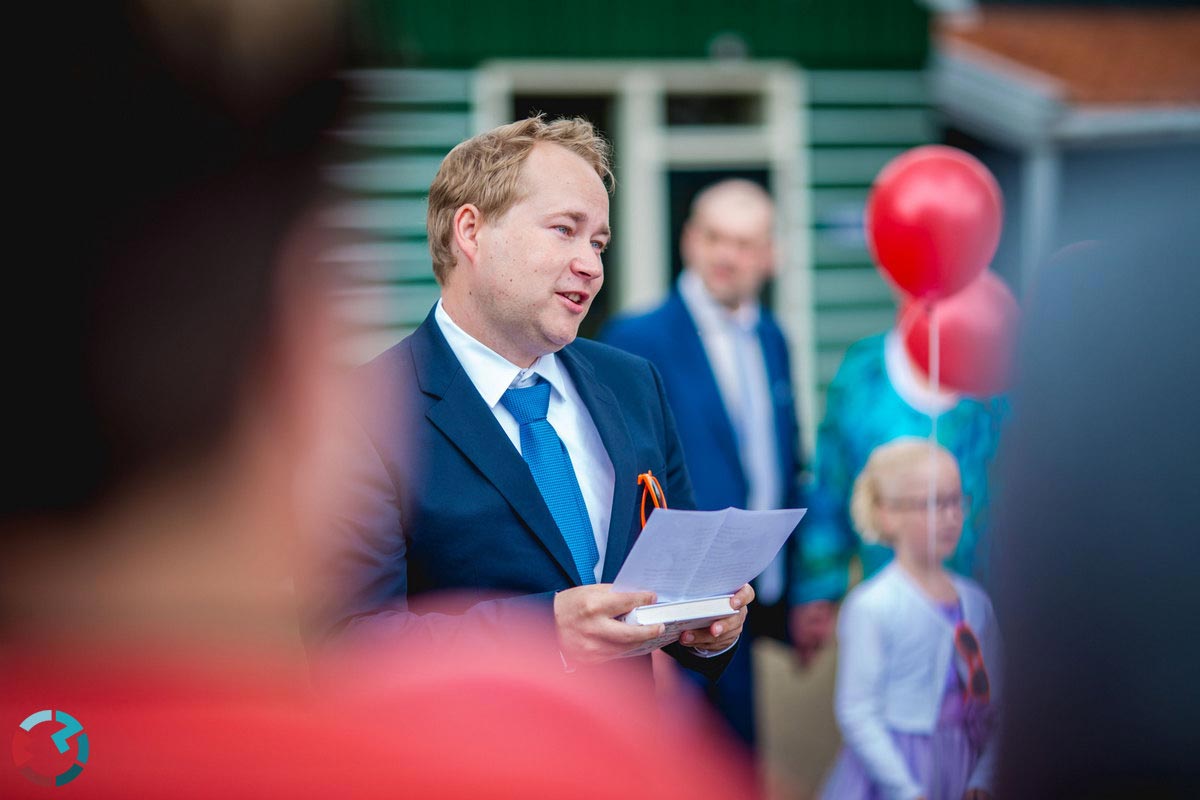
[731,342]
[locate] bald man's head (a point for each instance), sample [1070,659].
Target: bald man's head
[727,240]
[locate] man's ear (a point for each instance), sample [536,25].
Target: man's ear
[466,227]
[687,238]
[772,257]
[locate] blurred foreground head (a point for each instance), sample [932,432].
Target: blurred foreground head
[170,150]
[172,323]
[1096,587]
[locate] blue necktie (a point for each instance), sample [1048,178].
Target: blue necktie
[550,464]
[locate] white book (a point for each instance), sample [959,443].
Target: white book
[685,614]
[678,616]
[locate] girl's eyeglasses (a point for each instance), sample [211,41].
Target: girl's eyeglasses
[943,502]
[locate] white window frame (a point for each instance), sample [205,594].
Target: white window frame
[648,149]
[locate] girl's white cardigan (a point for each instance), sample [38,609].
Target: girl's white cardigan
[894,648]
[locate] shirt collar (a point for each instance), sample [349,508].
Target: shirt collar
[491,372]
[902,373]
[710,314]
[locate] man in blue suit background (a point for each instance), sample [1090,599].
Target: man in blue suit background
[727,373]
[500,458]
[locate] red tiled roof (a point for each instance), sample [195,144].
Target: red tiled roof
[1148,57]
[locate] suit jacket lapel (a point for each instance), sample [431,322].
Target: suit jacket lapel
[460,413]
[780,386]
[692,358]
[614,433]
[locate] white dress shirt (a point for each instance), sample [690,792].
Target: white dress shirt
[493,374]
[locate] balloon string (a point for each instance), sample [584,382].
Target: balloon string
[931,501]
[908,318]
[934,370]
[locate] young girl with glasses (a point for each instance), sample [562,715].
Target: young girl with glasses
[917,680]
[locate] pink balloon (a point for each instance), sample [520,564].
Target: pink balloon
[976,337]
[933,220]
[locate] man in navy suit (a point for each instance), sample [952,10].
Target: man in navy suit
[727,373]
[501,458]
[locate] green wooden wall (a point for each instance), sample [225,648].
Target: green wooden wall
[819,34]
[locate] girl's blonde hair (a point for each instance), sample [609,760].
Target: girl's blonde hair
[885,461]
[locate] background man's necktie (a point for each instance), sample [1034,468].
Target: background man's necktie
[553,473]
[755,424]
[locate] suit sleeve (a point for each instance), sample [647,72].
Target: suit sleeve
[354,571]
[794,494]
[827,542]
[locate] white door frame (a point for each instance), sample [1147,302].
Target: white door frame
[649,149]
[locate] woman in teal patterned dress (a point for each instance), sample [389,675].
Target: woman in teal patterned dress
[876,396]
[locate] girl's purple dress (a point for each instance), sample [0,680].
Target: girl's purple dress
[941,762]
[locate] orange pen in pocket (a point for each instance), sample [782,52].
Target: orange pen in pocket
[653,489]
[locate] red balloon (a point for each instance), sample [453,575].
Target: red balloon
[976,336]
[933,220]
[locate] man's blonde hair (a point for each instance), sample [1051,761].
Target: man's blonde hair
[884,463]
[485,171]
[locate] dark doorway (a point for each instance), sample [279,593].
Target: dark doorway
[597,109]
